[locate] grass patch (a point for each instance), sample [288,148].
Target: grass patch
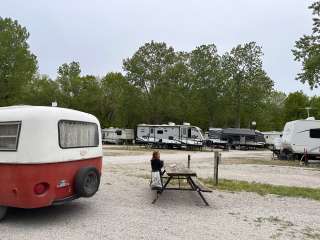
[264,189]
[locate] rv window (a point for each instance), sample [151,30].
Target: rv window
[9,136]
[184,131]
[315,133]
[160,132]
[119,132]
[74,134]
[151,130]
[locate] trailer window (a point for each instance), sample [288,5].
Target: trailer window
[75,134]
[9,135]
[119,132]
[160,132]
[315,133]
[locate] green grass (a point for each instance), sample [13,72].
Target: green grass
[264,189]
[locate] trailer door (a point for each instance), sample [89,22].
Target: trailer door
[189,132]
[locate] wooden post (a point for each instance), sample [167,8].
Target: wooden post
[217,156]
[189,159]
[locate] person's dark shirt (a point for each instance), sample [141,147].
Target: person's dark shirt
[156,165]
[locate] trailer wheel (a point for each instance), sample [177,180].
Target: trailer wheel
[3,212]
[87,181]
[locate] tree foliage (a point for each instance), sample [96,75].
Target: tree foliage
[307,51]
[158,85]
[17,64]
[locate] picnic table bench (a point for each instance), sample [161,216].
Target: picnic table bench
[182,173]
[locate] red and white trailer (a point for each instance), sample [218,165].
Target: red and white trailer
[48,156]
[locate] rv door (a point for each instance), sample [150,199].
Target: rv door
[189,132]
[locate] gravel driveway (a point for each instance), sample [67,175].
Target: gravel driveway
[122,208]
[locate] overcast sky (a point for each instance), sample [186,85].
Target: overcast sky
[101,33]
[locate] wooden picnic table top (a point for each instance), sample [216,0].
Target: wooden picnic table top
[180,171]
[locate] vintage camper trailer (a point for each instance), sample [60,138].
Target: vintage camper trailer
[48,156]
[170,135]
[301,138]
[117,135]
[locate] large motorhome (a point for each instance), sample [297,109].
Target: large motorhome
[170,135]
[301,138]
[117,135]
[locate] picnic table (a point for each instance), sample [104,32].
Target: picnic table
[182,173]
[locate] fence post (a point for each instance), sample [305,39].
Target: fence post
[217,156]
[189,159]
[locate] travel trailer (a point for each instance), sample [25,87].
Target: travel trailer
[243,138]
[215,138]
[48,156]
[170,135]
[271,137]
[301,138]
[117,135]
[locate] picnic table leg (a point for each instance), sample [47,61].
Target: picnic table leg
[191,183]
[196,188]
[205,201]
[160,191]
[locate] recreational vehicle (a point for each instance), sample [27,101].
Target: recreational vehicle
[243,138]
[215,138]
[271,137]
[48,156]
[117,135]
[170,135]
[301,138]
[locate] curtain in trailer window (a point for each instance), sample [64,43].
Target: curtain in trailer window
[74,134]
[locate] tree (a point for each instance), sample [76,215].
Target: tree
[17,64]
[207,83]
[69,80]
[307,51]
[294,106]
[41,90]
[247,83]
[150,69]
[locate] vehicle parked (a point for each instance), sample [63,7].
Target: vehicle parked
[300,139]
[48,156]
[215,138]
[170,135]
[117,135]
[271,137]
[243,138]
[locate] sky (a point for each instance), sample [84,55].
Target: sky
[101,33]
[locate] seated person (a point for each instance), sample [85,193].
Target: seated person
[156,163]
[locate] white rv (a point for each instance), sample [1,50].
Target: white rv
[301,137]
[170,135]
[117,135]
[271,137]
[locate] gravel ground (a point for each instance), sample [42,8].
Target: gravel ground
[122,208]
[202,163]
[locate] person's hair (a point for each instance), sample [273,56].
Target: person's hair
[154,154]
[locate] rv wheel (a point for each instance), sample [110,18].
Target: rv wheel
[87,182]
[3,211]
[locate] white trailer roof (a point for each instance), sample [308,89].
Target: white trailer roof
[39,137]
